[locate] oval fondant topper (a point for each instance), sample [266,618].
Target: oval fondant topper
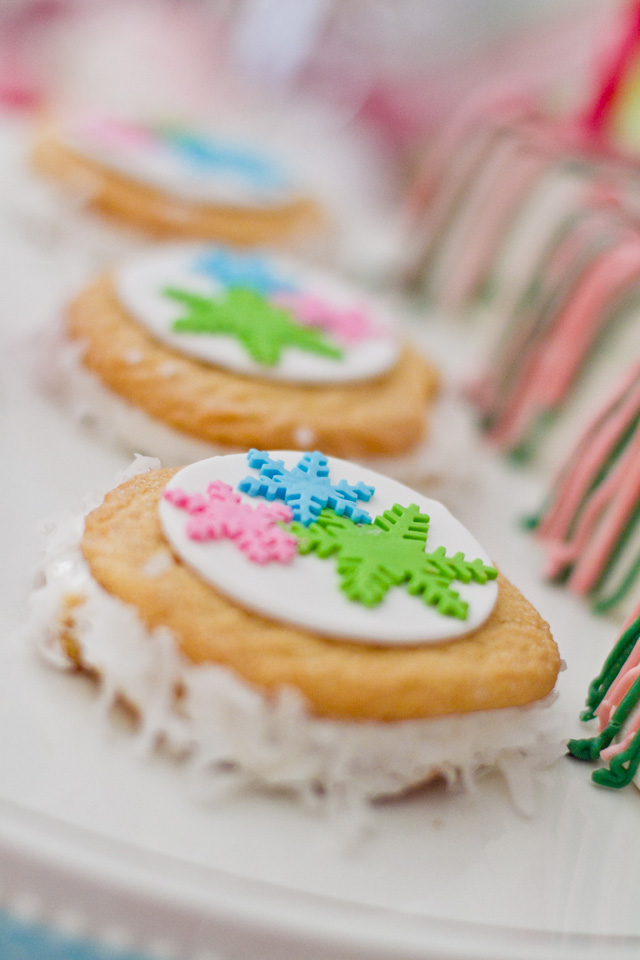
[329,546]
[186,164]
[256,315]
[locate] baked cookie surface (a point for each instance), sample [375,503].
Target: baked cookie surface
[510,661]
[382,416]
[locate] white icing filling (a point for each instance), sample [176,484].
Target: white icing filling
[445,459]
[153,161]
[228,731]
[90,401]
[306,592]
[141,280]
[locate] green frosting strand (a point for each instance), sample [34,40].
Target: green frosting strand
[590,749]
[541,308]
[604,604]
[627,533]
[624,765]
[610,670]
[622,769]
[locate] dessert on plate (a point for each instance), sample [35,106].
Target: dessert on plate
[186,350]
[169,181]
[300,621]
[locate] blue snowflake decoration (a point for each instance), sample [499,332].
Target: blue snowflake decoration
[248,271]
[307,488]
[204,154]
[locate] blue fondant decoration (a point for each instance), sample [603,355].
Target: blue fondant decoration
[249,271]
[307,488]
[25,940]
[205,153]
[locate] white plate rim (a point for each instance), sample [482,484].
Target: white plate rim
[55,859]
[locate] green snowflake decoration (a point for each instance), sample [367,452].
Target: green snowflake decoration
[264,330]
[390,552]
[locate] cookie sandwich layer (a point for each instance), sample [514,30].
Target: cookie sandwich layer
[366,396]
[112,180]
[331,711]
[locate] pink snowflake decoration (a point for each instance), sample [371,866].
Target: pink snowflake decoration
[222,514]
[346,324]
[112,134]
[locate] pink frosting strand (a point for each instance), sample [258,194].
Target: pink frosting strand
[582,319]
[455,172]
[630,732]
[559,357]
[587,457]
[623,682]
[622,685]
[511,180]
[625,498]
[627,675]
[563,553]
[444,196]
[598,223]
[579,323]
[514,416]
[486,391]
[474,121]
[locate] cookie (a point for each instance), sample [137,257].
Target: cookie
[171,182]
[187,350]
[303,601]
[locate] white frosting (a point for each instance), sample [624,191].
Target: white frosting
[306,592]
[141,280]
[229,733]
[89,401]
[445,459]
[154,161]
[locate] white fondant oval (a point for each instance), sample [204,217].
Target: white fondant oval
[306,591]
[141,280]
[153,162]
